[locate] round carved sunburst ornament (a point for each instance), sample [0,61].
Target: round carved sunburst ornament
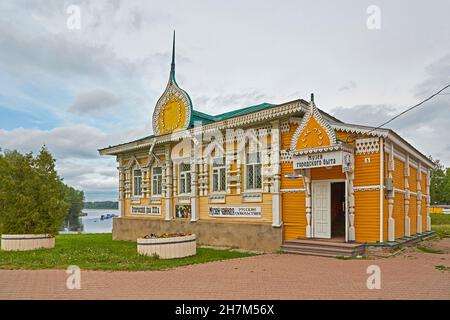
[172,111]
[171,114]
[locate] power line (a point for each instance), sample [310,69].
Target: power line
[403,112]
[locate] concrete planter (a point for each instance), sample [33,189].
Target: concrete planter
[168,248]
[24,242]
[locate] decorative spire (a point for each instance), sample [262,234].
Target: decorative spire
[172,66]
[312,105]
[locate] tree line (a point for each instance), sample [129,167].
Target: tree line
[101,205]
[440,184]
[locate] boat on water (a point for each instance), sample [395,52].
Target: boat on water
[108,216]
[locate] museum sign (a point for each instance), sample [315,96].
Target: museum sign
[326,159]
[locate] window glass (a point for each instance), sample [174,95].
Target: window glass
[218,175]
[253,170]
[157,181]
[137,182]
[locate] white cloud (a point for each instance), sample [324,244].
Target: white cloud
[372,115]
[231,101]
[79,141]
[89,175]
[75,150]
[94,101]
[348,86]
[425,127]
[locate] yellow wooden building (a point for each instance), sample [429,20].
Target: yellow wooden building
[259,176]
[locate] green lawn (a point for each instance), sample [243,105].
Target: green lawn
[440,223]
[99,252]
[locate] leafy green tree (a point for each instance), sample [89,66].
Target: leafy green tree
[440,184]
[446,197]
[76,200]
[32,196]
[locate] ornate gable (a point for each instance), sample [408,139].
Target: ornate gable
[173,110]
[314,131]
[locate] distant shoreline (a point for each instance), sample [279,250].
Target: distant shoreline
[104,205]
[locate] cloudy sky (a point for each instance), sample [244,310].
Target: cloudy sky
[77,90]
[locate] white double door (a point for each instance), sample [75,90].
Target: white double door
[321,208]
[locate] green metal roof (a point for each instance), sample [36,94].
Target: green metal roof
[240,112]
[201,117]
[205,118]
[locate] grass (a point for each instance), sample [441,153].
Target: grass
[439,219]
[440,223]
[428,249]
[443,231]
[442,268]
[99,252]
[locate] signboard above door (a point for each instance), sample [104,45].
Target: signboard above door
[325,159]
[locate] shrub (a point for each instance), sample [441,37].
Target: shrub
[31,194]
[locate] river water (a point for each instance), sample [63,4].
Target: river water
[92,222]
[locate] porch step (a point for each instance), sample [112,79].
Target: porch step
[322,248]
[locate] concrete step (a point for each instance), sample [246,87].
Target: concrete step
[319,249]
[324,242]
[321,254]
[322,248]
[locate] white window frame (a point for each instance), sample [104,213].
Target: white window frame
[220,180]
[184,174]
[153,180]
[253,164]
[134,182]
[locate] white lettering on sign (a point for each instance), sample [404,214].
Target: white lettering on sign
[237,212]
[150,210]
[318,160]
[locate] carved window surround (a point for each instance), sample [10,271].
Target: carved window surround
[217,198]
[135,200]
[251,197]
[183,199]
[155,199]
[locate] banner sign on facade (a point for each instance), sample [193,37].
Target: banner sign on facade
[317,160]
[150,210]
[235,212]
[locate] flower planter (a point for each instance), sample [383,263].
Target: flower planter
[23,242]
[168,248]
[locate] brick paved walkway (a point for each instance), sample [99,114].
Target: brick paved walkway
[408,276]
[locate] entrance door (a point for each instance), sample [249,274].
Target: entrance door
[321,209]
[338,209]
